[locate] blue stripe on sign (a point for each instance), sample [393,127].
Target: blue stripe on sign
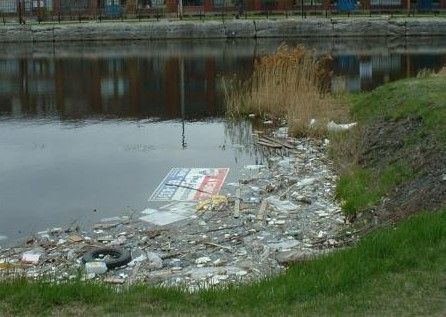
[176,176]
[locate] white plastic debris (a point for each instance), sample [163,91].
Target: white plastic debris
[306,182]
[281,205]
[155,260]
[281,132]
[162,218]
[241,273]
[203,260]
[335,127]
[254,167]
[31,257]
[96,267]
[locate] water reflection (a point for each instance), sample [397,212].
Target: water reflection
[80,126]
[140,81]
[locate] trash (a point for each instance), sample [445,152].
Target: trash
[279,210]
[190,184]
[162,218]
[306,182]
[241,273]
[96,267]
[31,257]
[212,203]
[281,205]
[155,261]
[335,127]
[254,167]
[75,238]
[112,257]
[203,260]
[262,210]
[281,132]
[114,280]
[8,266]
[119,241]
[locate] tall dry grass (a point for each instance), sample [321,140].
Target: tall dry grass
[289,84]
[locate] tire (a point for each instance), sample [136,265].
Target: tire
[118,257]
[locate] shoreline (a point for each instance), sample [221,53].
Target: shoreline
[208,243]
[283,28]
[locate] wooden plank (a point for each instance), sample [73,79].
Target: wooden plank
[237,203]
[283,143]
[268,144]
[262,210]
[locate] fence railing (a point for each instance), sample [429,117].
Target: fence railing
[23,11]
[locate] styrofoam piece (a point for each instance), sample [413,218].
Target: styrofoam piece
[96,267]
[162,218]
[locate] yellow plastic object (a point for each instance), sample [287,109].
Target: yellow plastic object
[8,266]
[211,203]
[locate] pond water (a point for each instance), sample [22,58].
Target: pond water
[88,131]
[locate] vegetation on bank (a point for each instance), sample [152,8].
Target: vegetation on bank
[290,84]
[394,271]
[410,115]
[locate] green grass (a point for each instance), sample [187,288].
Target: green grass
[394,271]
[362,187]
[410,98]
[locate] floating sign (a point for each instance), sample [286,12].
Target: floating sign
[190,184]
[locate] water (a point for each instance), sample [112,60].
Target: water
[89,130]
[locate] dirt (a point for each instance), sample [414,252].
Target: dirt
[388,141]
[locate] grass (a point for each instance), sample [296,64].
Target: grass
[287,84]
[362,187]
[423,98]
[393,271]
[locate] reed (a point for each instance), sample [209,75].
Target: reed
[288,84]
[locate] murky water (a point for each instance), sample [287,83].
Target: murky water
[89,130]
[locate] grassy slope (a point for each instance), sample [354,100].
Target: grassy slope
[393,271]
[412,98]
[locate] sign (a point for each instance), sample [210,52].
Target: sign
[190,184]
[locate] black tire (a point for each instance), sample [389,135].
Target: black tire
[118,257]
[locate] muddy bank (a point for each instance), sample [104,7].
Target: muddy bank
[283,28]
[383,144]
[277,213]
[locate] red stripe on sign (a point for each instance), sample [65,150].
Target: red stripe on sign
[211,184]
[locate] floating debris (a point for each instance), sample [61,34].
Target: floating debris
[278,213]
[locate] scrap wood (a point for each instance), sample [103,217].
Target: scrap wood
[237,203]
[217,245]
[274,140]
[268,144]
[262,210]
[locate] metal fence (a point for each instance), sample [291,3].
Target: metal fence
[25,11]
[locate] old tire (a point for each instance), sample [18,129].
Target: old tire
[117,257]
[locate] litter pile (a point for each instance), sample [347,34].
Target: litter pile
[277,213]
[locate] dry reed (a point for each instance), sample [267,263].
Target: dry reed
[287,84]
